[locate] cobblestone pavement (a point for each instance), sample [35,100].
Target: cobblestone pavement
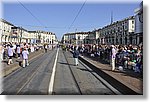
[127,77]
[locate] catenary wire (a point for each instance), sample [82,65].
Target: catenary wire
[30,13]
[77,15]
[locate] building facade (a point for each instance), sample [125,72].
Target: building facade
[138,35]
[19,34]
[11,33]
[46,37]
[33,35]
[77,38]
[92,37]
[123,32]
[53,39]
[120,32]
[5,30]
[69,38]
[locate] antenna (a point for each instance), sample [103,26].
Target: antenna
[111,17]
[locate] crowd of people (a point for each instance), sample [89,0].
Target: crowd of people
[20,51]
[120,57]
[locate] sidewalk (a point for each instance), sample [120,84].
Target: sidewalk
[129,78]
[7,69]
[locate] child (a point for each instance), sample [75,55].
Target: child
[25,54]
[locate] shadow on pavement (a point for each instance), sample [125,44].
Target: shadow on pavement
[66,63]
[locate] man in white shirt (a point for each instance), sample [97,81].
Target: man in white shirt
[10,54]
[18,51]
[113,57]
[25,54]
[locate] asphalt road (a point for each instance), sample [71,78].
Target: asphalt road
[40,78]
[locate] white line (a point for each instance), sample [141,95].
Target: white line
[51,84]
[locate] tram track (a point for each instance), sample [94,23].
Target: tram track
[20,68]
[73,76]
[98,77]
[30,76]
[83,79]
[34,74]
[115,91]
[116,84]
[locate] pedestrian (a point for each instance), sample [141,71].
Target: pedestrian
[45,47]
[75,56]
[10,54]
[25,54]
[82,51]
[14,47]
[113,57]
[18,51]
[32,48]
[4,52]
[1,52]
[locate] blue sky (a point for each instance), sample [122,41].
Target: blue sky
[59,16]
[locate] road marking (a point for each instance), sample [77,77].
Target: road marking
[51,84]
[30,78]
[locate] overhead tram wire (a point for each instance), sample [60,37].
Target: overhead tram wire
[53,27]
[31,13]
[77,15]
[34,26]
[43,26]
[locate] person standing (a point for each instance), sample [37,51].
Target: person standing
[25,54]
[75,56]
[32,48]
[10,54]
[18,51]
[45,47]
[14,47]
[113,57]
[1,52]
